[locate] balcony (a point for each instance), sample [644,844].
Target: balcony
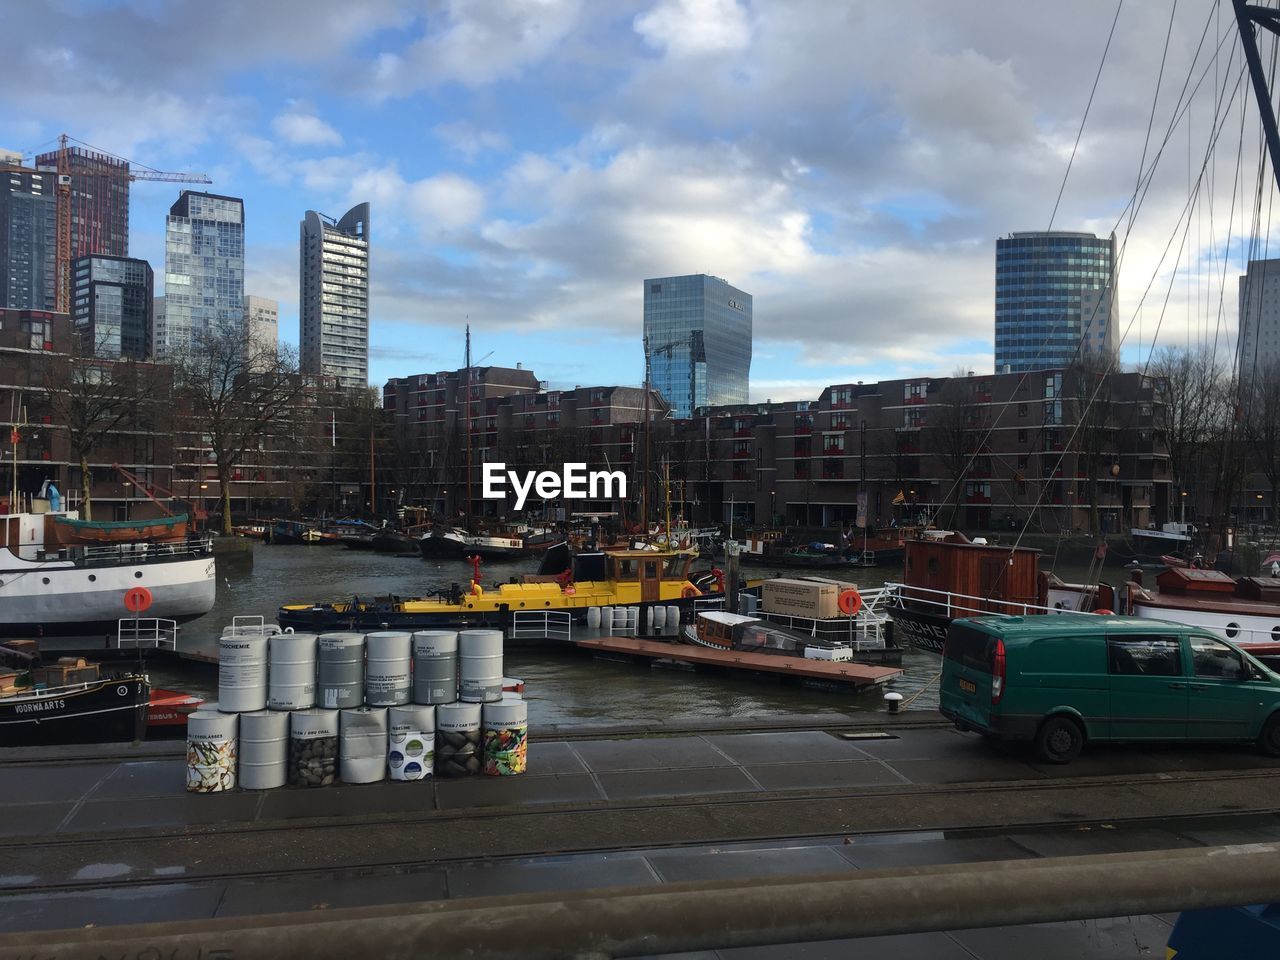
[833,451]
[804,429]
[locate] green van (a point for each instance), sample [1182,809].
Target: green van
[1059,680]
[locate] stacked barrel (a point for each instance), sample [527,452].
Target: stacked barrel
[312,710]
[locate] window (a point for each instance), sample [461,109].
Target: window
[1022,436]
[1213,658]
[1144,655]
[1022,409]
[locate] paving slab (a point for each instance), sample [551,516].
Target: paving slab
[792,747]
[1108,759]
[33,819]
[246,898]
[574,873]
[99,815]
[1115,938]
[607,756]
[142,779]
[922,745]
[1099,839]
[347,800]
[868,854]
[713,864]
[149,904]
[965,770]
[554,757]
[28,784]
[674,783]
[496,791]
[828,773]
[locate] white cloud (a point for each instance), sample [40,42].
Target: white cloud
[305,130]
[684,28]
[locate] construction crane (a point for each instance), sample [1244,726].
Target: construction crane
[128,171]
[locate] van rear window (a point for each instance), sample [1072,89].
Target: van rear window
[971,648]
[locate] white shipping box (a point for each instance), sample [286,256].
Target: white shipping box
[835,653]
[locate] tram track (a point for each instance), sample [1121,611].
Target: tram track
[261,850]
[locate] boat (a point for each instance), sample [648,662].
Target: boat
[772,548]
[946,576]
[167,712]
[393,541]
[103,710]
[443,544]
[296,532]
[847,640]
[565,584]
[72,531]
[496,548]
[48,589]
[357,541]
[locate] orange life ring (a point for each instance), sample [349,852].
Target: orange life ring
[850,602]
[690,591]
[1104,612]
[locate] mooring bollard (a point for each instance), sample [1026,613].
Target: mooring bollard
[893,701]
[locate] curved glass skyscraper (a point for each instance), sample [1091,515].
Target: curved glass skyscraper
[1055,299]
[697,340]
[333,307]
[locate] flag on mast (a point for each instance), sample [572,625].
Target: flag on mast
[900,498]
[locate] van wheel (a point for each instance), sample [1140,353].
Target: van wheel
[1269,740]
[1060,740]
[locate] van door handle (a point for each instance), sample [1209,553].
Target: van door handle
[1177,686]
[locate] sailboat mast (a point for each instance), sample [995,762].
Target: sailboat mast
[467,507]
[373,480]
[644,472]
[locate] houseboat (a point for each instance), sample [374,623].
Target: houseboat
[642,578]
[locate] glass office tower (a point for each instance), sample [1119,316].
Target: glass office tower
[203,271]
[697,341]
[111,306]
[1055,299]
[28,237]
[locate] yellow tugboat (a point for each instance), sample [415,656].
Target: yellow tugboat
[608,578]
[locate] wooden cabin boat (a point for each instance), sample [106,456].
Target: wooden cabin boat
[719,630]
[92,710]
[610,578]
[70,531]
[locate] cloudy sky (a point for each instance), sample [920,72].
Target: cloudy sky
[529,162]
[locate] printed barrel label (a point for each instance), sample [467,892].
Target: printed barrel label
[412,755]
[457,752]
[211,764]
[506,751]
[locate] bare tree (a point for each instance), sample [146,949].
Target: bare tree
[1191,391]
[1260,424]
[950,435]
[1094,442]
[94,398]
[237,398]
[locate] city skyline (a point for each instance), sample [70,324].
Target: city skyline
[544,170]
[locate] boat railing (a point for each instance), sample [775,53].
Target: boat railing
[541,625]
[250,626]
[117,553]
[955,605]
[707,605]
[147,633]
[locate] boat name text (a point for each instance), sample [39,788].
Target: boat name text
[574,482]
[39,706]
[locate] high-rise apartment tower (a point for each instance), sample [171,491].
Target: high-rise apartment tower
[333,302]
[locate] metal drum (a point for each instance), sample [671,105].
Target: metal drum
[313,748]
[264,749]
[362,745]
[292,681]
[211,752]
[340,670]
[480,665]
[458,752]
[435,666]
[506,737]
[386,670]
[411,745]
[242,672]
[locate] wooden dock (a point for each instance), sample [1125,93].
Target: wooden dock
[857,675]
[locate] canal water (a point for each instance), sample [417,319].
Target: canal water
[566,688]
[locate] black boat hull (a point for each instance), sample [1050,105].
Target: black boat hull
[440,548]
[106,711]
[789,561]
[915,628]
[393,543]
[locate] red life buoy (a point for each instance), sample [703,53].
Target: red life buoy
[1104,612]
[690,591]
[850,602]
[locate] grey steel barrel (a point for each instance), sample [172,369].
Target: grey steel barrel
[340,670]
[506,736]
[264,749]
[362,745]
[292,679]
[411,742]
[479,665]
[435,666]
[211,751]
[458,752]
[386,668]
[313,748]
[242,672]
